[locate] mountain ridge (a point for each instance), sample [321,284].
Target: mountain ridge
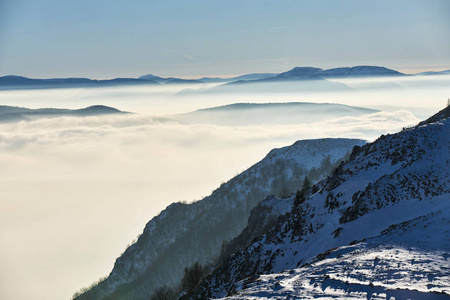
[184,233]
[403,176]
[311,73]
[14,81]
[297,73]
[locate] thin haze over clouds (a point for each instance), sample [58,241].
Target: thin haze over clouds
[422,95]
[105,39]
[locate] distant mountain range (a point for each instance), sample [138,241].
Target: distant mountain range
[162,80]
[254,76]
[20,82]
[169,80]
[13,113]
[296,74]
[310,73]
[447,72]
[239,114]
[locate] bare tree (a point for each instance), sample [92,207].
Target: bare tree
[164,293]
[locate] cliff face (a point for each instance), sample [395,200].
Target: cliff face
[390,201]
[185,233]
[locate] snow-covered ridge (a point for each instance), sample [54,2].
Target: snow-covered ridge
[185,233]
[376,268]
[394,192]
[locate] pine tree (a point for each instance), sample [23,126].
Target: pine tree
[306,185]
[300,197]
[303,194]
[192,276]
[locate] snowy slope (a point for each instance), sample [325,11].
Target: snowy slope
[185,233]
[375,269]
[393,193]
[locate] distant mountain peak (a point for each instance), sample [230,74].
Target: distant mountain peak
[299,72]
[13,113]
[102,109]
[359,71]
[14,77]
[356,71]
[151,77]
[320,75]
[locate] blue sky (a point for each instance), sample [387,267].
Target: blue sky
[104,39]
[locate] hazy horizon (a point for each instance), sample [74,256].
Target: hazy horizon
[407,71]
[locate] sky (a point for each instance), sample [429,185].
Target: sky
[107,39]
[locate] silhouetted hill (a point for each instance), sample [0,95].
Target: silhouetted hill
[302,79]
[446,72]
[153,78]
[162,80]
[170,80]
[97,110]
[271,113]
[310,84]
[12,113]
[20,82]
[295,74]
[253,76]
[359,71]
[182,81]
[310,73]
[299,73]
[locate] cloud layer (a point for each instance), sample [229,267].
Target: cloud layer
[76,190]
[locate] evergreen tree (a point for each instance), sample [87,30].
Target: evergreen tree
[303,194]
[306,185]
[192,276]
[300,197]
[314,189]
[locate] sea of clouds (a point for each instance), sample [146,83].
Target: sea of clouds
[76,190]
